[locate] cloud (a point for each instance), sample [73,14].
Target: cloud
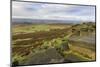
[52,11]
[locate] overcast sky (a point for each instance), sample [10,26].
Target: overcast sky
[52,11]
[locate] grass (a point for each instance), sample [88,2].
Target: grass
[36,28]
[83,52]
[32,39]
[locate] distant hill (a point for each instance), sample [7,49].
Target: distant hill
[43,21]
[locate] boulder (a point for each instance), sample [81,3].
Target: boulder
[51,55]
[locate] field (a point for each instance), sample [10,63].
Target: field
[53,43]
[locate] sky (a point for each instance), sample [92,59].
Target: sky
[33,10]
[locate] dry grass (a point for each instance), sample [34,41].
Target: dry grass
[88,53]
